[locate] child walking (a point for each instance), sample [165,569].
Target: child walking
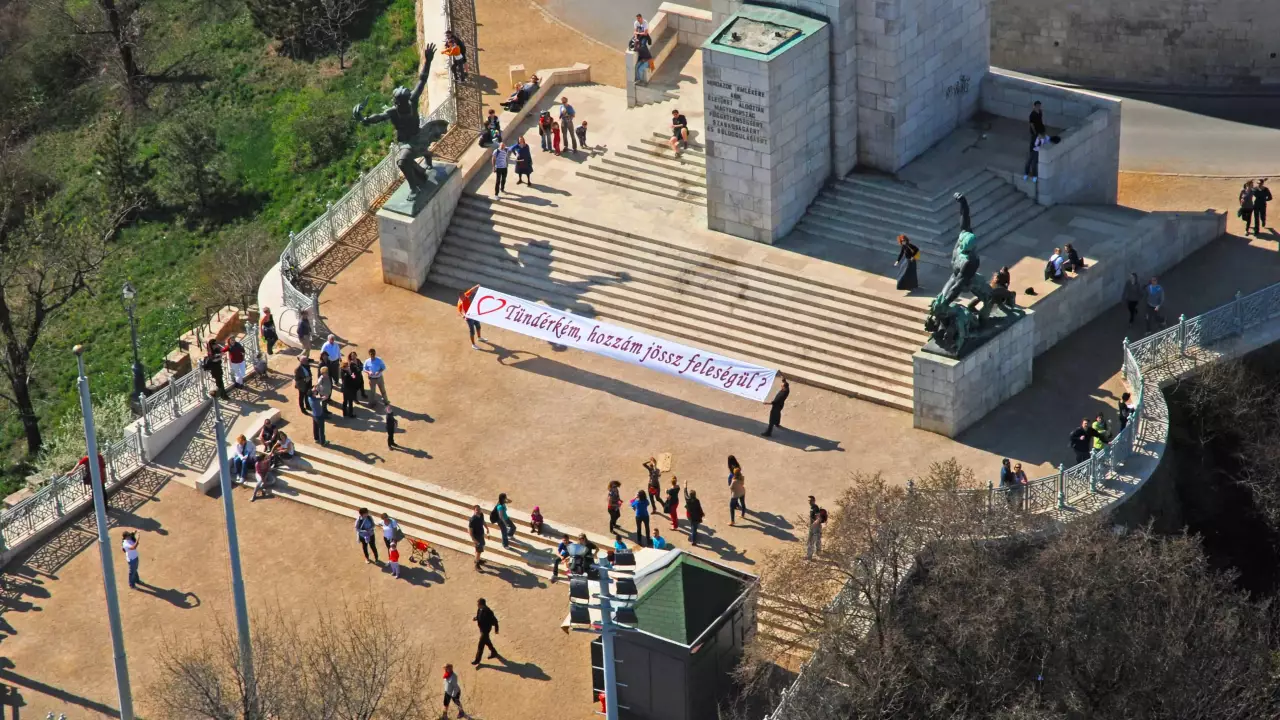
[452,693]
[393,554]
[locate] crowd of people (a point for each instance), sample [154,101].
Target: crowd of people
[357,379]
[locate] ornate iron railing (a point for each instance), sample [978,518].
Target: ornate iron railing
[1147,363]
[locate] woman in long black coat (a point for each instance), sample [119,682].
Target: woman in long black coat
[906,264]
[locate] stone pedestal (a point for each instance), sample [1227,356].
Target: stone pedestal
[409,233]
[767,104]
[952,394]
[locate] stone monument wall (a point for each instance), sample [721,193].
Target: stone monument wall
[408,240]
[1211,43]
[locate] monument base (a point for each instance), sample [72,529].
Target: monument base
[951,393]
[410,230]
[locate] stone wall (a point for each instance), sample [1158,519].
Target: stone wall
[1157,243]
[692,25]
[1084,167]
[409,242]
[950,395]
[1211,43]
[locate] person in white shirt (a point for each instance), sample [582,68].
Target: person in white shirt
[130,548]
[282,449]
[452,693]
[389,529]
[1054,269]
[640,27]
[333,350]
[243,455]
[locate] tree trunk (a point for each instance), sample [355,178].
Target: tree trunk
[128,64]
[27,411]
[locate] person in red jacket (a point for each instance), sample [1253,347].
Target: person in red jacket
[83,465]
[235,355]
[473,326]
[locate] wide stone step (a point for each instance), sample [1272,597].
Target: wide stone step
[936,199]
[661,164]
[851,213]
[663,154]
[820,226]
[711,315]
[794,361]
[681,195]
[887,200]
[655,178]
[732,270]
[672,279]
[631,308]
[693,154]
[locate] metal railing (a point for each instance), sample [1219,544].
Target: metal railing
[1146,365]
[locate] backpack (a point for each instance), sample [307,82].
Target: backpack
[822,516]
[494,517]
[1048,270]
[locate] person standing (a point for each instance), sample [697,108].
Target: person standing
[1132,295]
[391,532]
[235,355]
[304,332]
[473,326]
[503,520]
[673,503]
[1155,300]
[737,492]
[501,155]
[545,123]
[1081,440]
[364,533]
[524,161]
[1032,168]
[614,505]
[302,383]
[478,531]
[817,516]
[1126,409]
[391,424]
[582,135]
[1246,204]
[1261,196]
[655,482]
[267,328]
[213,366]
[776,405]
[351,381]
[909,254]
[452,693]
[393,558]
[1101,433]
[319,408]
[487,622]
[693,513]
[640,505]
[1035,123]
[333,351]
[375,368]
[566,124]
[562,554]
[353,360]
[130,548]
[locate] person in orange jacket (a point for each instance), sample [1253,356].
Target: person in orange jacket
[473,326]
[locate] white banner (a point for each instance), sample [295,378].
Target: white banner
[562,328]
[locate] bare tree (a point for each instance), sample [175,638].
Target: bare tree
[330,23]
[233,272]
[353,663]
[114,29]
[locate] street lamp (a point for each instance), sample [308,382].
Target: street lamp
[129,297]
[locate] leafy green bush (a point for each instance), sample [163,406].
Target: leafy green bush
[64,447]
[313,129]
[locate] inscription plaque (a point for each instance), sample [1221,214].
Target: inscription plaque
[737,113]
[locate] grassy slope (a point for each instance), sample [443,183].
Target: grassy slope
[249,94]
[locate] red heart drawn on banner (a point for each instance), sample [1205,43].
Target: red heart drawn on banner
[480,304]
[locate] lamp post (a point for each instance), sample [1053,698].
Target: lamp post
[233,547]
[612,618]
[104,543]
[129,298]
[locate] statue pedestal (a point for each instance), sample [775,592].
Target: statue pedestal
[410,231]
[950,394]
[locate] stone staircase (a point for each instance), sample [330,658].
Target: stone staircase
[649,166]
[846,340]
[869,211]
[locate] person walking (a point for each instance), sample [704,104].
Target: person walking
[776,405]
[213,366]
[1132,295]
[304,332]
[614,505]
[267,328]
[391,532]
[817,518]
[1155,300]
[503,520]
[351,381]
[655,482]
[499,162]
[1125,409]
[908,253]
[235,356]
[545,123]
[364,533]
[566,124]
[640,505]
[302,383]
[737,491]
[478,531]
[693,513]
[524,161]
[1101,433]
[1246,204]
[333,350]
[672,505]
[1261,196]
[319,406]
[376,369]
[391,424]
[487,622]
[452,693]
[1081,440]
[129,546]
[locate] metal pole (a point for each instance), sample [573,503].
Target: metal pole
[606,644]
[104,543]
[233,547]
[139,375]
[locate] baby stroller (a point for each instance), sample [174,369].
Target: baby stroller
[420,551]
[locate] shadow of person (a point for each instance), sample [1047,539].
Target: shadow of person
[534,200]
[178,598]
[708,540]
[769,518]
[420,576]
[517,578]
[412,452]
[526,670]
